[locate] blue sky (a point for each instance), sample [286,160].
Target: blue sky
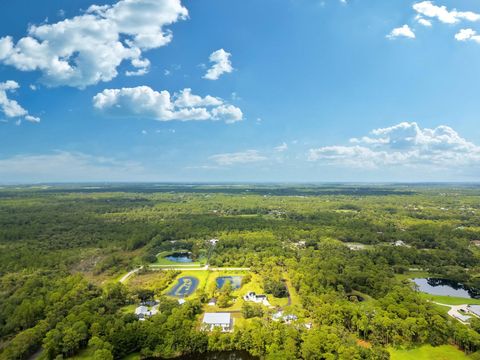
[298,91]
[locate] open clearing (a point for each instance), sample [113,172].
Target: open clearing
[450,300]
[427,352]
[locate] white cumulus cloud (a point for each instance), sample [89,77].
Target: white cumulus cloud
[441,13]
[88,48]
[221,65]
[11,108]
[423,21]
[403,31]
[467,34]
[405,144]
[143,101]
[244,157]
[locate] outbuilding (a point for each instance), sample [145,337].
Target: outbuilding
[217,320]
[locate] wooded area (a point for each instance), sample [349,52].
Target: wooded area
[63,250]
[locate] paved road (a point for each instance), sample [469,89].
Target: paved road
[202,268]
[126,276]
[455,311]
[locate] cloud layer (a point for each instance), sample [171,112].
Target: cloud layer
[405,144]
[11,108]
[63,166]
[244,157]
[143,101]
[221,65]
[88,49]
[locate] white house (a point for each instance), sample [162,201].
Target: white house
[212,302]
[214,320]
[259,299]
[280,316]
[142,312]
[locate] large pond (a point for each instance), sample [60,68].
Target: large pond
[446,288]
[235,281]
[223,355]
[184,287]
[180,257]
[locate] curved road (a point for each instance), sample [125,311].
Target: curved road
[130,273]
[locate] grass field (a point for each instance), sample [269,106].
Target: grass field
[450,300]
[427,352]
[237,294]
[412,274]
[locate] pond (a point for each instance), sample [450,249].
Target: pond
[445,288]
[222,355]
[184,287]
[235,281]
[180,257]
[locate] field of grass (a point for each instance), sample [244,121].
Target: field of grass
[254,285]
[412,274]
[450,300]
[295,298]
[427,352]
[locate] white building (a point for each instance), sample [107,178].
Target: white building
[474,309]
[280,316]
[142,312]
[212,302]
[259,299]
[214,320]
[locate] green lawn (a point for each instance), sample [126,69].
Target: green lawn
[450,300]
[296,301]
[412,274]
[427,352]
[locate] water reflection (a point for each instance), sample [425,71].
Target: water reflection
[446,287]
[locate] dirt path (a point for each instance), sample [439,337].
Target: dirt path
[126,276]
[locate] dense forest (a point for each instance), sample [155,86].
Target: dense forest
[64,248]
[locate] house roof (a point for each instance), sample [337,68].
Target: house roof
[461,317]
[216,318]
[474,309]
[141,310]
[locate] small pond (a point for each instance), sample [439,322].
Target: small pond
[222,355]
[180,257]
[446,288]
[235,281]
